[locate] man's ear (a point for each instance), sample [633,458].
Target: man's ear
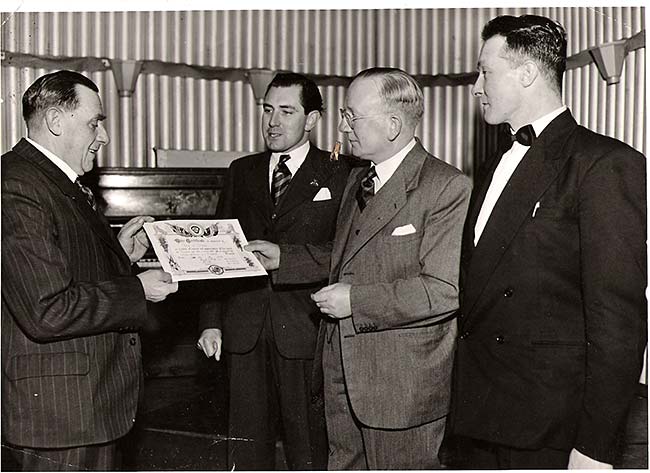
[394,127]
[312,119]
[53,120]
[528,73]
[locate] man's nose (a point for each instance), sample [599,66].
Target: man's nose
[102,135]
[274,119]
[477,88]
[343,126]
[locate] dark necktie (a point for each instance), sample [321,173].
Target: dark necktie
[525,136]
[366,189]
[281,179]
[88,193]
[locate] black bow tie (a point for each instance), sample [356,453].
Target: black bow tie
[525,136]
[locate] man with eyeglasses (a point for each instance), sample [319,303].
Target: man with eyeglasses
[388,334]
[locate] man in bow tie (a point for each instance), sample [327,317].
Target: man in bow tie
[71,303]
[288,194]
[553,315]
[388,332]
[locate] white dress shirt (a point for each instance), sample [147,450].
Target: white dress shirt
[387,168]
[505,169]
[58,162]
[297,157]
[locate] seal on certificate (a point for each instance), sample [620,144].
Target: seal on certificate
[214,269]
[195,229]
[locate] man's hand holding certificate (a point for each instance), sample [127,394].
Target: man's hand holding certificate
[202,249]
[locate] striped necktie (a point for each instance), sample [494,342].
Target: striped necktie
[90,197]
[366,189]
[281,179]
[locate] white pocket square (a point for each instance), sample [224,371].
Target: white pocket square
[405,230]
[323,194]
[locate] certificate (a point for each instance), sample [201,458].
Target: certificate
[202,249]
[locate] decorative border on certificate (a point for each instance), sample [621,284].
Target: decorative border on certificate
[202,249]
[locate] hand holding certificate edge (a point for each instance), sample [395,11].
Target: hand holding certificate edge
[202,249]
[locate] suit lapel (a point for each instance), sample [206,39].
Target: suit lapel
[258,184]
[478,196]
[95,220]
[311,176]
[387,202]
[346,218]
[537,170]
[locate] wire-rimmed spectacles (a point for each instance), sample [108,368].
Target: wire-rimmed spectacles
[350,119]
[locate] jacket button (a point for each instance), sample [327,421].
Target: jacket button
[356,232]
[132,341]
[274,216]
[508,292]
[464,335]
[499,339]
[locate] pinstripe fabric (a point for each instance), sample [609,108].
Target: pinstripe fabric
[103,457]
[71,367]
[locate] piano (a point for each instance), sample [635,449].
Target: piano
[169,338]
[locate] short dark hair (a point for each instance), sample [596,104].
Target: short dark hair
[57,89]
[310,97]
[535,37]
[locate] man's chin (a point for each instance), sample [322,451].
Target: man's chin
[275,146]
[87,167]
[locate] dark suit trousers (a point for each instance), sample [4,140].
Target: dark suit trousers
[354,446]
[480,455]
[101,457]
[270,397]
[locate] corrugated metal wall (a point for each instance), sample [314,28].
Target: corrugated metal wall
[189,113]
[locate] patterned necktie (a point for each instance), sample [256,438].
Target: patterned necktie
[525,136]
[281,179]
[88,193]
[366,189]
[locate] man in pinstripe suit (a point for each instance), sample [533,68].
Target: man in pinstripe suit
[71,306]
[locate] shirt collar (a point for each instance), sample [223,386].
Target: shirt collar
[298,156]
[541,123]
[58,162]
[387,168]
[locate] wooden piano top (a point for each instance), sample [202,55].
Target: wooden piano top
[163,193]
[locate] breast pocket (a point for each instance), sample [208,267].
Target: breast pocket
[552,213]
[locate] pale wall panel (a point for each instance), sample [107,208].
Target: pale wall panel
[186,113]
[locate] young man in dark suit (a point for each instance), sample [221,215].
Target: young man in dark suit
[553,313]
[287,194]
[71,306]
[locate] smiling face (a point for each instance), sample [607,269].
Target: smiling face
[83,131]
[285,126]
[498,86]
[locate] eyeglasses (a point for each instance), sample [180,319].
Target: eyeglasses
[350,119]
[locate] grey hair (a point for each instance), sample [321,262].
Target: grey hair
[399,91]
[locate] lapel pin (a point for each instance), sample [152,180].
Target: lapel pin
[334,155]
[314,183]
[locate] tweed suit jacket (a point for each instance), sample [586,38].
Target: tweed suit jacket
[71,368]
[240,306]
[553,324]
[401,257]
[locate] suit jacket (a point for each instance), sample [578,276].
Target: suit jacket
[397,347]
[243,304]
[553,323]
[71,367]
